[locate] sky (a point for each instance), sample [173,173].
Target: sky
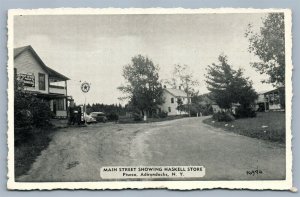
[95,48]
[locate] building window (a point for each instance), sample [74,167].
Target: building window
[60,104]
[172,100]
[169,108]
[42,82]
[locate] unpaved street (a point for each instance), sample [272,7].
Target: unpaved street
[76,154]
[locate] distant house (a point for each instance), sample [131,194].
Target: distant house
[267,100]
[270,100]
[41,81]
[171,96]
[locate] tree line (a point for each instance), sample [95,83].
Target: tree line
[144,90]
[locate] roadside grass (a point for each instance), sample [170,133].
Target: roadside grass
[128,120]
[266,125]
[29,143]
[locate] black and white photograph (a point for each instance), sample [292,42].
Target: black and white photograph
[149,98]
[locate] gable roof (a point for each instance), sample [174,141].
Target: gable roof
[176,92]
[270,91]
[18,51]
[52,73]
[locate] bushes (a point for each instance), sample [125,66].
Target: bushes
[197,108]
[237,112]
[163,114]
[245,113]
[41,113]
[23,118]
[31,111]
[223,116]
[137,117]
[113,116]
[206,109]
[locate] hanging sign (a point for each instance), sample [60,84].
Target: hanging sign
[85,87]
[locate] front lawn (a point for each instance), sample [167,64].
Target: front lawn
[266,125]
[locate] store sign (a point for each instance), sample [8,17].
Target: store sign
[27,79]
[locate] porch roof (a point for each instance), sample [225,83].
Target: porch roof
[47,96]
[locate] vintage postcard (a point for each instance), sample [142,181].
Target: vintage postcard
[149,98]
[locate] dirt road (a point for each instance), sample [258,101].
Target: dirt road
[76,154]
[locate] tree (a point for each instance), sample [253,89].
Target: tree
[203,103]
[269,46]
[228,86]
[183,77]
[180,106]
[143,88]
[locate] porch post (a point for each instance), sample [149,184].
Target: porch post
[265,103]
[274,98]
[279,99]
[66,99]
[66,85]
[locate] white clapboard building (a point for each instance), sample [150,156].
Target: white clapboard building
[171,96]
[271,100]
[40,80]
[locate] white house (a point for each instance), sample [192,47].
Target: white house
[171,96]
[270,100]
[40,80]
[266,101]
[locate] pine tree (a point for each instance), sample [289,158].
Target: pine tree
[228,86]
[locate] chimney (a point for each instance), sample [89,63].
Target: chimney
[179,87]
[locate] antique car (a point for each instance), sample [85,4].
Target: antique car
[99,116]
